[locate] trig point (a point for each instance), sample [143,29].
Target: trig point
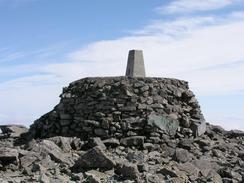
[135,64]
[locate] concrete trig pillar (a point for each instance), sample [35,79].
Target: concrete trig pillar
[135,64]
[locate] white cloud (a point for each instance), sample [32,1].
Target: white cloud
[178,27]
[26,99]
[182,6]
[202,47]
[9,55]
[16,70]
[217,81]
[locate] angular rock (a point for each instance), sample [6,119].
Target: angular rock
[214,177]
[63,142]
[28,161]
[205,165]
[168,172]
[142,167]
[93,159]
[127,170]
[181,155]
[8,155]
[101,132]
[34,161]
[77,177]
[166,124]
[50,148]
[94,176]
[175,175]
[133,141]
[186,144]
[190,169]
[93,142]
[112,142]
[152,178]
[44,178]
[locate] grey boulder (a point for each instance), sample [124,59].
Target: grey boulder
[181,155]
[133,141]
[62,142]
[94,176]
[50,148]
[93,159]
[127,170]
[8,155]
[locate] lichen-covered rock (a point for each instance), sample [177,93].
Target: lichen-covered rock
[166,124]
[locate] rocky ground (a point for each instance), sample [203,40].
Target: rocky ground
[120,129]
[217,156]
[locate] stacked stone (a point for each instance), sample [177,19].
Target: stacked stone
[120,107]
[122,130]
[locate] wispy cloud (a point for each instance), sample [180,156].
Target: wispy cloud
[182,6]
[7,55]
[176,28]
[44,55]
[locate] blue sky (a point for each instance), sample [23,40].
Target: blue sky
[47,44]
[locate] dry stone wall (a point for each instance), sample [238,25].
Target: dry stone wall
[119,107]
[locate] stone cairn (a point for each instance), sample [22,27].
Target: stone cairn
[121,107]
[131,129]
